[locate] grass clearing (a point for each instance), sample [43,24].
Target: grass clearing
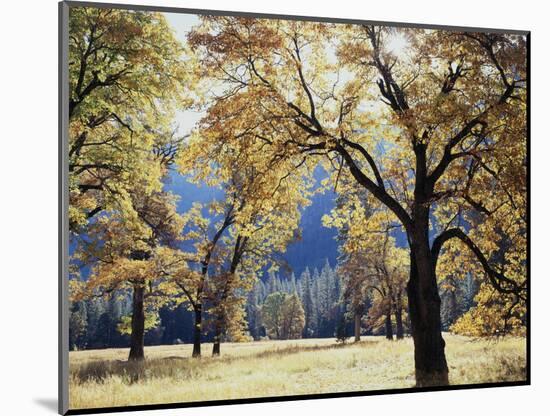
[103,378]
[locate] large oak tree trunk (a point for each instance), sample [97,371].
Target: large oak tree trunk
[357,327]
[424,311]
[138,325]
[197,331]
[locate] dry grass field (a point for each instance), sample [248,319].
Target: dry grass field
[101,378]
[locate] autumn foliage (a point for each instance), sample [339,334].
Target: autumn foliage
[421,135]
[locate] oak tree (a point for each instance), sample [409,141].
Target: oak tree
[127,75]
[426,130]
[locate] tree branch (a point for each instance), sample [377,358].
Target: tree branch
[498,280]
[379,192]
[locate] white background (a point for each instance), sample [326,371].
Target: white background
[28,205]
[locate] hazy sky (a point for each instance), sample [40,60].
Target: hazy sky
[182,24]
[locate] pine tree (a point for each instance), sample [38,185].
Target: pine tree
[285,285]
[78,322]
[341,330]
[298,285]
[95,308]
[272,283]
[316,302]
[307,301]
[253,311]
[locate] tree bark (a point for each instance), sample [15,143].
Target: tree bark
[357,327]
[398,312]
[138,325]
[424,312]
[389,329]
[197,331]
[220,319]
[217,339]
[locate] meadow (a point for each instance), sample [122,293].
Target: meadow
[103,378]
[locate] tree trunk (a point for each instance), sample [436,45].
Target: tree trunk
[453,309]
[216,348]
[424,311]
[217,339]
[138,325]
[389,329]
[398,312]
[197,331]
[357,327]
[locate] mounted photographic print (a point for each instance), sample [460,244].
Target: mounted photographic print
[262,208]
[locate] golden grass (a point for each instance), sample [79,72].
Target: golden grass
[102,378]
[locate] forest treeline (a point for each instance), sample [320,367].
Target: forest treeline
[427,139]
[99,323]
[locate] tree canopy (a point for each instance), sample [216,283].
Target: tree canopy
[420,135]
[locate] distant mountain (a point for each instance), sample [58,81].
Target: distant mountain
[189,192]
[317,243]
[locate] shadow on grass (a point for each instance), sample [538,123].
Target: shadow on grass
[185,368]
[295,349]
